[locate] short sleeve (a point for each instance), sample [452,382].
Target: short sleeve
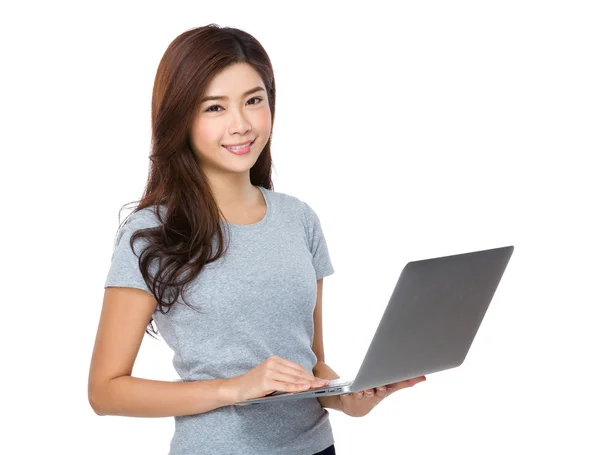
[124,269]
[318,244]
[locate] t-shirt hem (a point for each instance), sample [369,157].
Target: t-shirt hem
[310,450]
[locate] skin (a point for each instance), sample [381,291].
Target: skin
[230,121]
[361,403]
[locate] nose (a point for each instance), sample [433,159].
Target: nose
[239,123]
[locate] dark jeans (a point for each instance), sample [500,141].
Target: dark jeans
[328,451]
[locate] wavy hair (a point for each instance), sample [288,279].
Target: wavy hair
[182,243]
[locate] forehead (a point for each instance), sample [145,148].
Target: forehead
[234,80]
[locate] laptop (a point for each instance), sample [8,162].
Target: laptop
[428,325]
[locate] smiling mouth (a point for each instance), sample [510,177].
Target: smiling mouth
[241,146]
[241,149]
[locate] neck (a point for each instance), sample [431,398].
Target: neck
[233,192]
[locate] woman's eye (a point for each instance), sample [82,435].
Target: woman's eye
[256,98]
[210,109]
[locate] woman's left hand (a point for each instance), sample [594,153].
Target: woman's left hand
[359,404]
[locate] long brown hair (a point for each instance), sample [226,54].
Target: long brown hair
[182,244]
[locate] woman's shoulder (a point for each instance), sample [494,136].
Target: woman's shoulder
[287,200]
[146,217]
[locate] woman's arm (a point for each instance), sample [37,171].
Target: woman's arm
[111,388]
[135,397]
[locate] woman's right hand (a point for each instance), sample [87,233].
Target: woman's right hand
[273,375]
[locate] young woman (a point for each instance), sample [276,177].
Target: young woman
[230,271]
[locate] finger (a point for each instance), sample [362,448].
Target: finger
[290,367]
[297,375]
[294,381]
[369,393]
[381,392]
[391,388]
[404,384]
[415,381]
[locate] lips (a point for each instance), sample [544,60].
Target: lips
[240,150]
[240,144]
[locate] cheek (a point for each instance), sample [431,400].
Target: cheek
[263,120]
[204,133]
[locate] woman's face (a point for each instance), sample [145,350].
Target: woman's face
[238,117]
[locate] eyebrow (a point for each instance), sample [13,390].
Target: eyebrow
[210,98]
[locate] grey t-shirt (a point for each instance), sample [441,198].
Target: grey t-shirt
[256,301]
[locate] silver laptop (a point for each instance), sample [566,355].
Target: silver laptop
[428,325]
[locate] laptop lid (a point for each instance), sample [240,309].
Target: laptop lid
[432,316]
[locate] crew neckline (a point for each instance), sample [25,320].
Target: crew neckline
[259,223]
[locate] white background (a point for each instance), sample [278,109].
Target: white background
[416,130]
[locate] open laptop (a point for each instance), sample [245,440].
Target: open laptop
[428,325]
